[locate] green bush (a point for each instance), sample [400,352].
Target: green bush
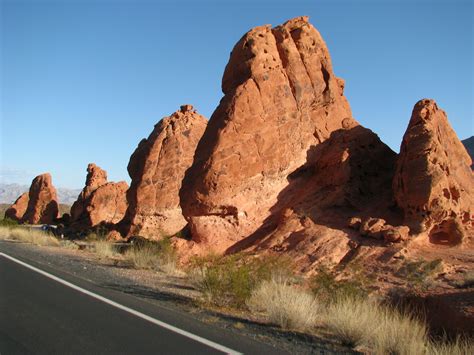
[229,281]
[417,272]
[7,222]
[326,288]
[152,255]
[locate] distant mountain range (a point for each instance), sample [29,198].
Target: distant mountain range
[10,192]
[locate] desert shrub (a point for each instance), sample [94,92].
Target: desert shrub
[326,288]
[7,222]
[29,235]
[417,272]
[284,304]
[153,255]
[460,346]
[397,333]
[364,322]
[228,281]
[105,249]
[98,233]
[467,280]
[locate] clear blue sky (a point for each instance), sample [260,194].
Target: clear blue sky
[85,81]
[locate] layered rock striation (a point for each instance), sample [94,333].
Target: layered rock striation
[157,168]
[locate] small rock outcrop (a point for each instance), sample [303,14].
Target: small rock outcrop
[18,209]
[157,168]
[281,98]
[434,184]
[100,201]
[96,177]
[42,201]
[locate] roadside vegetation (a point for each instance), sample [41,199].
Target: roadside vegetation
[28,235]
[266,289]
[158,255]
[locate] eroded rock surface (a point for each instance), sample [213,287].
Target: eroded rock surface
[281,98]
[100,201]
[42,201]
[157,168]
[95,178]
[18,209]
[434,184]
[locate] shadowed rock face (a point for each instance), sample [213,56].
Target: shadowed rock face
[18,209]
[157,168]
[281,98]
[100,201]
[43,203]
[434,184]
[469,144]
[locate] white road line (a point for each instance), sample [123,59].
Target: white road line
[194,337]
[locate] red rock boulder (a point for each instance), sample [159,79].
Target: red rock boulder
[42,201]
[100,201]
[434,184]
[281,98]
[18,209]
[157,168]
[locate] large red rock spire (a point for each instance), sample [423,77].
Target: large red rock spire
[281,98]
[157,168]
[434,184]
[43,202]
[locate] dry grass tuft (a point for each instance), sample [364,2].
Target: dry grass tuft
[285,305]
[155,256]
[458,347]
[105,249]
[364,322]
[28,235]
[350,320]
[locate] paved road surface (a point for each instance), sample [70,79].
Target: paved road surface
[39,315]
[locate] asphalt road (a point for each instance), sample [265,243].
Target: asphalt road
[39,315]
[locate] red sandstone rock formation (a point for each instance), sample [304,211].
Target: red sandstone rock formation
[100,201]
[157,168]
[434,184]
[281,98]
[96,177]
[18,209]
[42,204]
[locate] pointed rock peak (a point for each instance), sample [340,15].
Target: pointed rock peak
[95,176]
[157,168]
[434,184]
[18,209]
[42,204]
[281,98]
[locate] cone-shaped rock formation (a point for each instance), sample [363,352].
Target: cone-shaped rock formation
[281,98]
[42,201]
[434,184]
[18,209]
[157,168]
